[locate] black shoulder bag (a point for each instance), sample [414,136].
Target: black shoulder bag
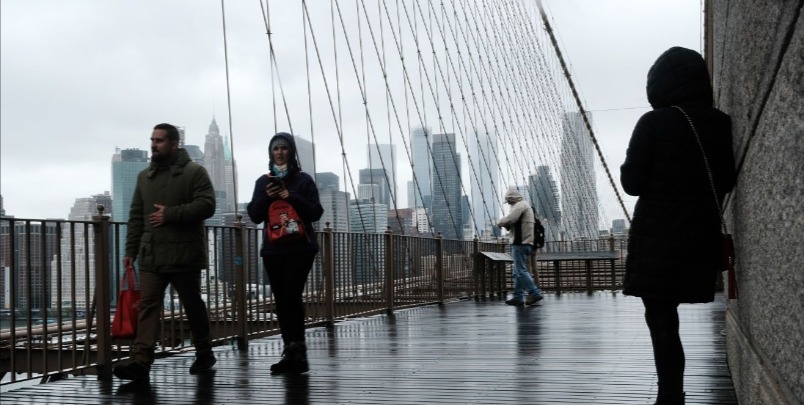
[727,253]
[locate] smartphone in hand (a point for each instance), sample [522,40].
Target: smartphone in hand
[275,181]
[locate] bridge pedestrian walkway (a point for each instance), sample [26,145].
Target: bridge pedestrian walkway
[569,349]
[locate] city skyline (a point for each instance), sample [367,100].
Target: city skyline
[69,123]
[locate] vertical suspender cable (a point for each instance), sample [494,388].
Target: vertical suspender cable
[229,104]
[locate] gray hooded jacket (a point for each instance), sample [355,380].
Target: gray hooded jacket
[519,221]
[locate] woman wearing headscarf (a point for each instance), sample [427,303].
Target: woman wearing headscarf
[674,243]
[288,263]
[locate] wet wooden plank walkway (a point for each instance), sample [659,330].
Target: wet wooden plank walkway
[569,349]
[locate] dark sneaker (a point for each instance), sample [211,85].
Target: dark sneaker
[514,301]
[532,299]
[132,370]
[202,363]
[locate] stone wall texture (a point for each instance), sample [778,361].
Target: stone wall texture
[757,53]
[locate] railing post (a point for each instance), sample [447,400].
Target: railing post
[240,283]
[329,274]
[477,267]
[102,293]
[440,267]
[389,270]
[502,275]
[611,263]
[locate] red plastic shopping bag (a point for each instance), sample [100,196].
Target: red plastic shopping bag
[124,325]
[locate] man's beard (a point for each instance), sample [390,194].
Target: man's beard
[161,158]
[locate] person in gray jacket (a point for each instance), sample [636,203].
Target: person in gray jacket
[166,237]
[519,223]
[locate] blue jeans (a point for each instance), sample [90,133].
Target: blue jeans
[522,278]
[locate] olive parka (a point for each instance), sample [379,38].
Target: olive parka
[179,244]
[674,243]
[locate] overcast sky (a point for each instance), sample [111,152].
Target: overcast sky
[79,78]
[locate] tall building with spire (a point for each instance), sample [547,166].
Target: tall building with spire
[215,163]
[230,177]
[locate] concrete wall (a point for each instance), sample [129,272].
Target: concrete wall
[757,53]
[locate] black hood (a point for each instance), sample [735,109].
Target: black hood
[678,75]
[293,160]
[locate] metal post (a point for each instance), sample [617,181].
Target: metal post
[611,264]
[240,284]
[329,274]
[389,271]
[102,294]
[439,268]
[477,267]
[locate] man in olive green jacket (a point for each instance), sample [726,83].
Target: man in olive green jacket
[166,236]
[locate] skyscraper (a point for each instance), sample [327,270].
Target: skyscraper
[77,255]
[422,167]
[368,251]
[578,190]
[484,173]
[126,165]
[383,157]
[382,193]
[446,208]
[229,177]
[215,163]
[306,153]
[334,202]
[546,202]
[35,246]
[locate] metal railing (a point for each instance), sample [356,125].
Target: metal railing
[60,279]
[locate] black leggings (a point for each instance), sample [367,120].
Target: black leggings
[287,274]
[662,319]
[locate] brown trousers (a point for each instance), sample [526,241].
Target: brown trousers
[152,286]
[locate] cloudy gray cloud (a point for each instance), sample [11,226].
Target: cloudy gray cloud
[80,78]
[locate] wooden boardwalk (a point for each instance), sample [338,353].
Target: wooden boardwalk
[569,349]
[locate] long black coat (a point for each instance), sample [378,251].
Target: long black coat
[674,240]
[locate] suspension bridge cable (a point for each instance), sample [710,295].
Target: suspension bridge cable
[583,113]
[229,104]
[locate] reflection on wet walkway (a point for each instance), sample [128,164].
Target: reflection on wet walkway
[572,349]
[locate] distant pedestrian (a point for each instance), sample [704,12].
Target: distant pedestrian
[519,223]
[287,263]
[674,242]
[166,236]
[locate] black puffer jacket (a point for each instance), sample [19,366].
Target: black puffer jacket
[303,197]
[675,233]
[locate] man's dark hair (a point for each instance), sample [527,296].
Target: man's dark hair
[172,131]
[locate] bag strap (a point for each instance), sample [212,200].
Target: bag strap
[129,279]
[708,168]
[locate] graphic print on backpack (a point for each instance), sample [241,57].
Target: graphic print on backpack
[284,223]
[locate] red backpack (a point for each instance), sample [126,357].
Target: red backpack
[284,224]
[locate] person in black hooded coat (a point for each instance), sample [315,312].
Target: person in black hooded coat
[675,240]
[288,264]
